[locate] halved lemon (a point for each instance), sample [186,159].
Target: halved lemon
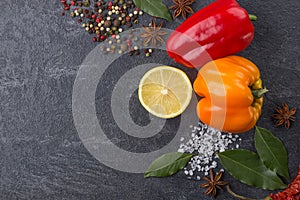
[165,91]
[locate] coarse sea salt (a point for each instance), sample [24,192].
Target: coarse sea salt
[205,143]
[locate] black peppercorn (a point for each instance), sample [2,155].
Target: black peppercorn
[117,23]
[107,23]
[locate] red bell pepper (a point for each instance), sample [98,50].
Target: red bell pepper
[222,28]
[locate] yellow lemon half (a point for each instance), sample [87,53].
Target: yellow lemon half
[165,91]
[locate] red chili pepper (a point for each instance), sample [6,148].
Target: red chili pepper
[292,192]
[222,28]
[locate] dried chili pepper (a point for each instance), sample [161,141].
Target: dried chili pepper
[292,192]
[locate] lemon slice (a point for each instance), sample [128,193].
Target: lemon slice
[165,91]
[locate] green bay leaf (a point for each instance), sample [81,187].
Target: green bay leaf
[271,151]
[247,167]
[168,164]
[154,7]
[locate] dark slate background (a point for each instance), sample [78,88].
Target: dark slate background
[41,155]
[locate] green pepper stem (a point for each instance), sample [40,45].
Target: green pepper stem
[252,17]
[236,195]
[259,93]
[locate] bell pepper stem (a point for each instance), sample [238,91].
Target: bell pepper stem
[252,17]
[259,93]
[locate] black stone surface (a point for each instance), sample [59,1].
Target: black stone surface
[41,155]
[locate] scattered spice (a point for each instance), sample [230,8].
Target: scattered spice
[284,115]
[213,183]
[153,34]
[182,7]
[103,18]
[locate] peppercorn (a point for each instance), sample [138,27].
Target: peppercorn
[102,37]
[67,8]
[131,52]
[107,23]
[72,14]
[123,47]
[128,19]
[117,23]
[130,3]
[137,52]
[86,4]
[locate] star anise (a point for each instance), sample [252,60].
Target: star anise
[213,183]
[285,115]
[182,7]
[153,34]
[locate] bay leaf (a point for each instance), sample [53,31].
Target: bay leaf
[155,8]
[247,167]
[168,164]
[271,151]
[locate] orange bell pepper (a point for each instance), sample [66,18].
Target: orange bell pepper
[232,94]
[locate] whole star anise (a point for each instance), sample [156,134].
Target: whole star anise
[285,115]
[153,34]
[213,183]
[182,7]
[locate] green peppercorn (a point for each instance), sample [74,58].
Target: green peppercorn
[72,14]
[80,10]
[114,28]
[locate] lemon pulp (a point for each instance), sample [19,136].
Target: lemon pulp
[165,91]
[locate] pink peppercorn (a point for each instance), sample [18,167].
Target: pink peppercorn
[127,19]
[98,20]
[102,37]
